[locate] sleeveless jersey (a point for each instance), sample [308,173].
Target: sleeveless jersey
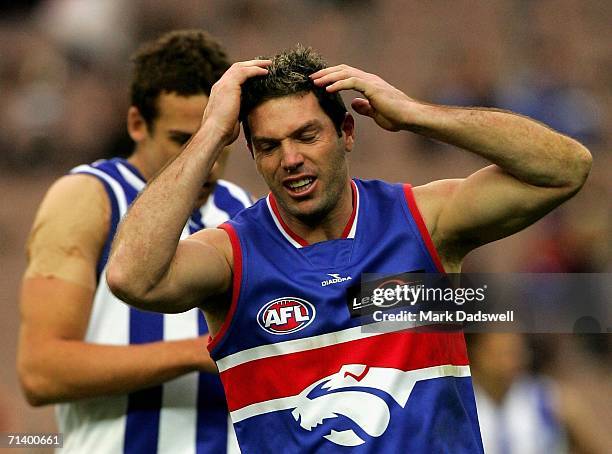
[302,375]
[187,414]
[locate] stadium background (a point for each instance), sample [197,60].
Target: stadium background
[64,94]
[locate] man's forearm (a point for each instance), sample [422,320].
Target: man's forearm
[148,236]
[524,148]
[65,370]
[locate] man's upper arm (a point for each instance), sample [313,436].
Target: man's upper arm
[69,231]
[63,249]
[462,214]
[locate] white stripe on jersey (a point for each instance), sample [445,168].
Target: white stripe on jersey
[237,192]
[232,440]
[211,214]
[131,178]
[313,342]
[354,226]
[280,227]
[177,429]
[110,317]
[92,425]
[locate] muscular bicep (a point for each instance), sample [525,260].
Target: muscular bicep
[200,270]
[69,231]
[488,205]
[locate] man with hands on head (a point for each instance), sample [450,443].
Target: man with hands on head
[127,380]
[260,277]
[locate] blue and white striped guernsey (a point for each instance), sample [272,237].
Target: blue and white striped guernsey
[186,415]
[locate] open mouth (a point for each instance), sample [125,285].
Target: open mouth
[300,186]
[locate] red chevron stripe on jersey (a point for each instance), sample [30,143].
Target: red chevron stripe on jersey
[404,350]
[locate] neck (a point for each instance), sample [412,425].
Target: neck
[329,225]
[496,389]
[137,160]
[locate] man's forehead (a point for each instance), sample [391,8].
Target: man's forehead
[181,112]
[173,102]
[283,115]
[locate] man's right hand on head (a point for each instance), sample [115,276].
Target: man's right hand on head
[223,106]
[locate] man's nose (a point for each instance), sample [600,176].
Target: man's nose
[292,158]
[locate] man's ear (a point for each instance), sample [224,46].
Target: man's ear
[136,125]
[348,131]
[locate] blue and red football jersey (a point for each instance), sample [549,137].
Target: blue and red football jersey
[302,373]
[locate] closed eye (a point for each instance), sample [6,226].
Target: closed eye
[179,138]
[307,133]
[307,138]
[266,147]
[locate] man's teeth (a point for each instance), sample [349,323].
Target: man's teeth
[300,184]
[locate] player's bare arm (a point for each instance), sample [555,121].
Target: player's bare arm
[55,363]
[534,168]
[149,267]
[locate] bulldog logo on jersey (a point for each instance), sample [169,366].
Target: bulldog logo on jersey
[286,315]
[347,393]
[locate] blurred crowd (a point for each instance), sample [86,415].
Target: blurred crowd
[64,71]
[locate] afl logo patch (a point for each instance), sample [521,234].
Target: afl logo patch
[286,315]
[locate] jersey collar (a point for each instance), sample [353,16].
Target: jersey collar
[297,241]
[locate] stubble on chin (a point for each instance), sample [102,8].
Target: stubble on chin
[310,217]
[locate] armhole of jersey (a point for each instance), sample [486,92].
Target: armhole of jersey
[236,283]
[114,221]
[420,223]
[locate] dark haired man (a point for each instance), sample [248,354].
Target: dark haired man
[126,380]
[298,369]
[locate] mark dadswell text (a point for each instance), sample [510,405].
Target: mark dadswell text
[443,316]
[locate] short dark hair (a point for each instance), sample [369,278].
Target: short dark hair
[288,75]
[185,62]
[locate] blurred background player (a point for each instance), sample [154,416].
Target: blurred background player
[112,367]
[521,411]
[518,412]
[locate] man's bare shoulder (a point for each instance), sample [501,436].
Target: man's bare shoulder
[70,228]
[431,198]
[81,191]
[74,204]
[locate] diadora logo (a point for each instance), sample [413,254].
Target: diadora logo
[335,278]
[286,315]
[349,393]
